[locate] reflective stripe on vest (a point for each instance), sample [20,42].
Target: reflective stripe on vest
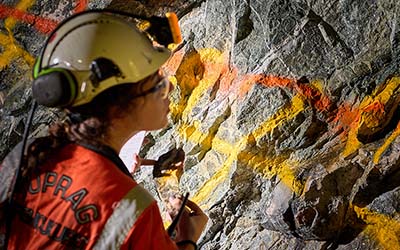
[123,218]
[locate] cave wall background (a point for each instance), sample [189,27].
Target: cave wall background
[287,111]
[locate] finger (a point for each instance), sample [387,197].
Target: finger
[169,216]
[194,207]
[136,158]
[135,162]
[148,162]
[175,200]
[197,213]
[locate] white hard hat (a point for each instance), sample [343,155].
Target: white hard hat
[96,41]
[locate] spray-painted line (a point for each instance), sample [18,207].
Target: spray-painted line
[192,132]
[386,144]
[205,194]
[196,74]
[81,5]
[12,51]
[285,175]
[311,91]
[382,228]
[204,68]
[269,167]
[41,24]
[281,116]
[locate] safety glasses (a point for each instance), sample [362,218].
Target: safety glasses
[163,86]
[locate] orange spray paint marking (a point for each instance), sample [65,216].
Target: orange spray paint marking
[43,25]
[228,75]
[173,63]
[375,106]
[346,118]
[317,99]
[372,114]
[352,143]
[247,81]
[191,67]
[310,93]
[80,5]
[275,81]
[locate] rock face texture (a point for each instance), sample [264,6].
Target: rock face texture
[288,112]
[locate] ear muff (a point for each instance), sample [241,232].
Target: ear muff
[54,87]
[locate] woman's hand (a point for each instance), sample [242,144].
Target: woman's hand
[139,162]
[192,221]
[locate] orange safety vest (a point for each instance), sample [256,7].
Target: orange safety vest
[81,200]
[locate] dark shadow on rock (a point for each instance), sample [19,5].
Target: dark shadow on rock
[155,7]
[245,25]
[322,211]
[354,226]
[376,184]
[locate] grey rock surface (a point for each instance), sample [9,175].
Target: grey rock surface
[287,111]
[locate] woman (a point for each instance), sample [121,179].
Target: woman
[74,191]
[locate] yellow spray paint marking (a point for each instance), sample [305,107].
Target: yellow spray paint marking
[186,131]
[318,84]
[260,162]
[222,146]
[213,60]
[382,228]
[288,177]
[205,193]
[390,88]
[374,105]
[352,143]
[283,115]
[11,51]
[285,174]
[272,166]
[197,73]
[387,143]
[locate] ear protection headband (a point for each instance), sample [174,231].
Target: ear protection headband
[58,87]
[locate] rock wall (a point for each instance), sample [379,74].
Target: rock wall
[287,111]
